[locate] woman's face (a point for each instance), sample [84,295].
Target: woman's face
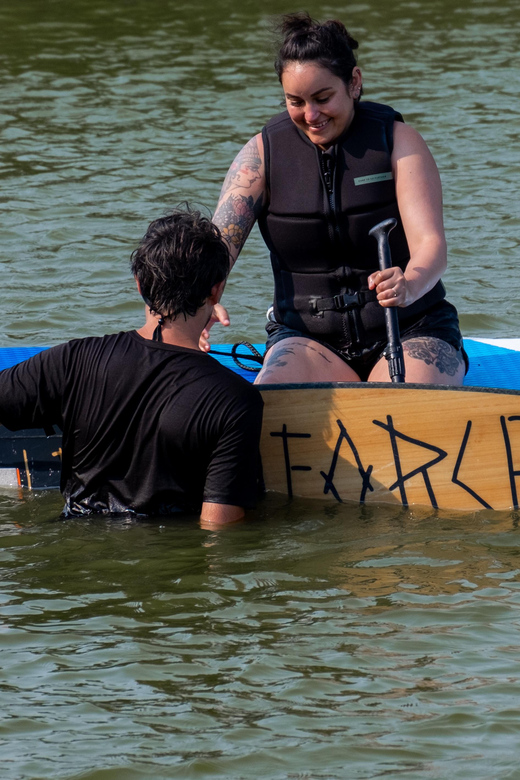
[318,102]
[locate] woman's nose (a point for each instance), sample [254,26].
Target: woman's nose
[312,112]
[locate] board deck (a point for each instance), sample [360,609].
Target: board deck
[453,448]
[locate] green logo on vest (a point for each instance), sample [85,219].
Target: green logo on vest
[374,178]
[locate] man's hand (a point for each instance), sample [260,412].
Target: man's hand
[219,315]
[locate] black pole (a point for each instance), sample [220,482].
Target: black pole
[394,350]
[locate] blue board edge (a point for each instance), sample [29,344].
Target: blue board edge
[490,365]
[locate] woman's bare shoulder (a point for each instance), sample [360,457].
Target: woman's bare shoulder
[407,140]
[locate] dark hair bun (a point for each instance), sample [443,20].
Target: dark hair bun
[306,40]
[340,27]
[295,23]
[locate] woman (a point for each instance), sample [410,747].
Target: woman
[317,179]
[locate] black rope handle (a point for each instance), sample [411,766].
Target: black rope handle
[255,355]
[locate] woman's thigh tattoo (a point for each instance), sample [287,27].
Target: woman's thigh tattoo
[279,356]
[435,352]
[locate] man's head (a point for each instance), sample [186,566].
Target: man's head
[178,262]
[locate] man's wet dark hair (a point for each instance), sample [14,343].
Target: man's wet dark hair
[329,44]
[178,261]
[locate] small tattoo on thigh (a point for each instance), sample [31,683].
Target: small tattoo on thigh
[319,352]
[277,357]
[435,352]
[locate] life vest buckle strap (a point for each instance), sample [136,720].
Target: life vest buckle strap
[347,301]
[341,302]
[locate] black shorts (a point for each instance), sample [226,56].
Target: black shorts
[439,322]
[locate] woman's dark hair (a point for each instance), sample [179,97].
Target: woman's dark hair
[329,44]
[178,261]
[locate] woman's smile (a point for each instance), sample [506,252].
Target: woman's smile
[316,126]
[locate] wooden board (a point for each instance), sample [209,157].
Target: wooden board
[453,448]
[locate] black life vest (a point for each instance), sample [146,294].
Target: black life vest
[321,208]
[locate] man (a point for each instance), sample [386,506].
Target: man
[151,425]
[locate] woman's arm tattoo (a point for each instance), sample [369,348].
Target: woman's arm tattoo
[245,169]
[235,217]
[237,210]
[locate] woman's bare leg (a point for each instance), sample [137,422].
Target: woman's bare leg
[427,360]
[303,360]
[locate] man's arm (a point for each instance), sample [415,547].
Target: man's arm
[31,391]
[234,473]
[213,515]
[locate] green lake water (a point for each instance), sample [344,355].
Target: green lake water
[315,640]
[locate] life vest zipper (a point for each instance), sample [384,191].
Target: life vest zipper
[327,167]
